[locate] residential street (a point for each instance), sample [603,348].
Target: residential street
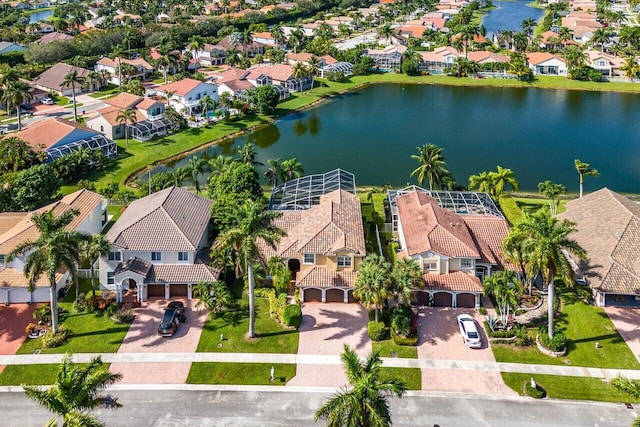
[211,406]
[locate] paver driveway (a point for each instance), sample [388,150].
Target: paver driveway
[143,337]
[13,321]
[627,321]
[324,330]
[440,339]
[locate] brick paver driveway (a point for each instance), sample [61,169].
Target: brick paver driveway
[440,339]
[13,321]
[324,330]
[143,337]
[627,321]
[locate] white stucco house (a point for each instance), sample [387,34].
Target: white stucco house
[186,95]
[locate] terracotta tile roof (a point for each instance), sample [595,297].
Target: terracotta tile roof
[439,54]
[145,104]
[9,219]
[48,132]
[457,281]
[544,37]
[279,72]
[231,74]
[110,114]
[608,228]
[114,63]
[12,278]
[320,277]
[238,85]
[536,58]
[173,219]
[486,56]
[181,87]
[181,273]
[135,265]
[54,36]
[488,232]
[53,77]
[123,100]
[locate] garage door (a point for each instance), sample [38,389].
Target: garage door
[178,290]
[442,299]
[41,295]
[334,295]
[352,299]
[466,300]
[312,295]
[422,298]
[155,291]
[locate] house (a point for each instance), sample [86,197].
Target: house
[45,27]
[233,81]
[210,55]
[456,245]
[387,59]
[149,118]
[543,63]
[186,95]
[265,38]
[608,228]
[550,40]
[278,75]
[142,68]
[438,61]
[51,80]
[54,36]
[159,246]
[609,65]
[582,25]
[59,137]
[17,228]
[251,49]
[325,236]
[7,47]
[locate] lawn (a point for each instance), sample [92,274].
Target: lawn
[388,347]
[574,388]
[233,324]
[240,373]
[412,377]
[110,90]
[32,374]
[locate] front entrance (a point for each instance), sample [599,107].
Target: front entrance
[294,267]
[131,284]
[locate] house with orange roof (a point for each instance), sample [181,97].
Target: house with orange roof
[59,137]
[544,63]
[582,25]
[54,36]
[17,228]
[186,95]
[278,75]
[438,61]
[112,66]
[265,38]
[455,246]
[609,65]
[486,57]
[388,59]
[247,49]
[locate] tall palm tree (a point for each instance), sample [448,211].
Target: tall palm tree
[528,25]
[254,224]
[196,44]
[246,38]
[248,154]
[584,170]
[502,177]
[53,249]
[313,65]
[93,80]
[291,169]
[406,276]
[631,68]
[364,402]
[92,249]
[196,167]
[482,181]
[205,103]
[274,171]
[15,94]
[546,243]
[385,31]
[552,191]
[504,287]
[432,165]
[76,391]
[372,282]
[168,58]
[73,80]
[277,32]
[126,117]
[601,37]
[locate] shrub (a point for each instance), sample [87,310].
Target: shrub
[51,340]
[537,392]
[400,340]
[404,322]
[80,305]
[377,331]
[112,309]
[123,316]
[510,209]
[628,386]
[383,315]
[557,343]
[277,304]
[30,328]
[483,310]
[43,314]
[498,333]
[292,315]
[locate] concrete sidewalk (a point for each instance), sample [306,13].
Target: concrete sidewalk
[464,365]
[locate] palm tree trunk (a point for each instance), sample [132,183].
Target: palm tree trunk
[19,120]
[550,312]
[53,295]
[581,182]
[375,310]
[75,111]
[93,285]
[77,285]
[252,315]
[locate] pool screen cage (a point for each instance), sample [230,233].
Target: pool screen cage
[304,193]
[96,142]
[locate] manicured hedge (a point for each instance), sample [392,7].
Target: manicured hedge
[377,331]
[292,315]
[510,209]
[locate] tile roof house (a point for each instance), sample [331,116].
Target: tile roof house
[278,75]
[323,246]
[112,66]
[609,65]
[17,227]
[608,228]
[187,94]
[439,60]
[544,63]
[454,251]
[51,80]
[159,246]
[210,54]
[252,49]
[54,36]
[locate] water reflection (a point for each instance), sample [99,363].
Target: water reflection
[265,137]
[311,125]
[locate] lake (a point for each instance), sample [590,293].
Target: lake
[538,133]
[509,16]
[41,15]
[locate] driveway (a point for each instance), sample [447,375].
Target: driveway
[13,321]
[440,339]
[324,330]
[627,321]
[143,337]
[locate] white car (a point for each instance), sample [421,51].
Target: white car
[47,101]
[470,335]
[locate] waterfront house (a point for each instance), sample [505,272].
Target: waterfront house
[544,63]
[609,65]
[438,61]
[186,95]
[388,59]
[278,75]
[55,36]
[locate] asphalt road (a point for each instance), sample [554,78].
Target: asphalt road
[255,407]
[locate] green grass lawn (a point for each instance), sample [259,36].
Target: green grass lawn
[574,388]
[412,377]
[32,374]
[388,347]
[240,373]
[234,324]
[62,101]
[110,90]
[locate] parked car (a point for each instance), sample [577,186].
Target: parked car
[169,323]
[46,101]
[27,107]
[178,306]
[470,335]
[581,281]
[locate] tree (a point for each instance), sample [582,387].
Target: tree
[385,31]
[126,116]
[15,94]
[196,167]
[53,249]
[502,177]
[584,170]
[248,154]
[552,191]
[34,187]
[432,165]
[364,403]
[254,224]
[631,68]
[277,32]
[264,99]
[601,37]
[274,171]
[92,249]
[372,282]
[168,58]
[76,391]
[482,182]
[205,103]
[73,80]
[545,244]
[504,287]
[405,277]
[246,38]
[213,296]
[290,169]
[528,25]
[15,155]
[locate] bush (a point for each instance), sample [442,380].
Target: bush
[43,314]
[30,328]
[51,340]
[277,304]
[499,333]
[112,309]
[80,305]
[510,209]
[377,331]
[383,315]
[404,321]
[537,392]
[483,311]
[123,316]
[400,340]
[631,387]
[557,343]
[292,315]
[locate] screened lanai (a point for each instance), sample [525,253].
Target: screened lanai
[96,142]
[147,129]
[345,68]
[305,192]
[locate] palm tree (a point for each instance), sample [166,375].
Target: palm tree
[248,154]
[196,44]
[94,79]
[92,249]
[364,403]
[168,58]
[291,169]
[205,103]
[502,177]
[254,224]
[213,296]
[552,191]
[601,36]
[514,251]
[196,167]
[482,181]
[54,248]
[546,243]
[72,79]
[504,287]
[584,170]
[16,94]
[528,25]
[313,65]
[432,165]
[246,38]
[385,31]
[405,277]
[631,68]
[76,391]
[372,281]
[277,32]
[274,171]
[126,116]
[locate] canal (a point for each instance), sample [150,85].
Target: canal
[509,15]
[537,133]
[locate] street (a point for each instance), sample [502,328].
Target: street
[268,406]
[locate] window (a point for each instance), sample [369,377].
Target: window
[466,263]
[430,265]
[115,256]
[344,261]
[183,256]
[110,280]
[156,256]
[309,258]
[2,259]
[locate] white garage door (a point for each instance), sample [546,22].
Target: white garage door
[41,295]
